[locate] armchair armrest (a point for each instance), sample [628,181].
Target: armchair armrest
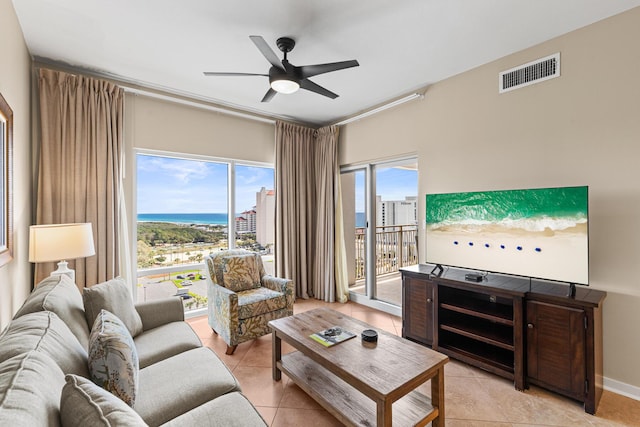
[160,312]
[222,310]
[279,284]
[276,283]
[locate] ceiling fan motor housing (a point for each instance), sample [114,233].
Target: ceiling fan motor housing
[286,80]
[285,44]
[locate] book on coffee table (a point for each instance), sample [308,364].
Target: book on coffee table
[332,336]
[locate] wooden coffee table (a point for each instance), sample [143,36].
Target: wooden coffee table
[356,381]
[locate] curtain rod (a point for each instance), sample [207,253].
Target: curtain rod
[383,107]
[196,104]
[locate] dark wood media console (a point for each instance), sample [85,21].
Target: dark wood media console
[525,330]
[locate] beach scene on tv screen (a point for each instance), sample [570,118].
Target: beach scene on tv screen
[540,233]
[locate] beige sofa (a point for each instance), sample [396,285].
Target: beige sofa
[179,382]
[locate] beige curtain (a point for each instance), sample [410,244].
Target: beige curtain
[342,272]
[79,169]
[306,175]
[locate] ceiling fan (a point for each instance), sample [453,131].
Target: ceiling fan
[285,77]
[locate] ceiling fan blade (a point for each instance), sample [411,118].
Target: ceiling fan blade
[314,70]
[213,73]
[269,95]
[266,51]
[313,87]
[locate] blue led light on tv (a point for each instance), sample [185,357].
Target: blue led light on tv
[538,249]
[455,242]
[519,248]
[502,247]
[486,245]
[470,243]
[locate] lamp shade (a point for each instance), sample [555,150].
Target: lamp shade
[55,242]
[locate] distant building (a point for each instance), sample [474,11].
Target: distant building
[250,216]
[397,212]
[265,217]
[242,225]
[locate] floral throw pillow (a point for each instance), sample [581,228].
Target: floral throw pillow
[113,360]
[241,272]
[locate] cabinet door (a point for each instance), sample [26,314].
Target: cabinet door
[556,348]
[417,309]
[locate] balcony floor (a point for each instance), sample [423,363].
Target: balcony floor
[389,288]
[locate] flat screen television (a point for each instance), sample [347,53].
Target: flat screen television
[539,233]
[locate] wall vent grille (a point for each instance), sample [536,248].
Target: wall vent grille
[529,73]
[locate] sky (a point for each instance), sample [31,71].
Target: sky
[170,185]
[391,184]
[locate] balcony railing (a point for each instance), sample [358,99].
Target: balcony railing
[396,247]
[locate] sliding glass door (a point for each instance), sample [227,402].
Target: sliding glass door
[396,226]
[380,211]
[355,227]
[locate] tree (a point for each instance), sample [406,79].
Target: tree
[145,255]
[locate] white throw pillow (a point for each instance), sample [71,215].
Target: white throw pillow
[83,403]
[114,296]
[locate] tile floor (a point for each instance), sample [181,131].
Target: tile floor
[473,397]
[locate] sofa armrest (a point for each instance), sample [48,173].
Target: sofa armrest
[160,312]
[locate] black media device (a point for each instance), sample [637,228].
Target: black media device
[369,335]
[473,277]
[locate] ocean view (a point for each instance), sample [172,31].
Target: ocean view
[207,218]
[185,218]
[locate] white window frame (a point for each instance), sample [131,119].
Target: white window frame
[231,198]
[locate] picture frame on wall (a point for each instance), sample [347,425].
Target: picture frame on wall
[6,181]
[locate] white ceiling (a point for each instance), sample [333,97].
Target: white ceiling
[401,45]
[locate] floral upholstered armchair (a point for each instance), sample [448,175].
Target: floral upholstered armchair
[243,298]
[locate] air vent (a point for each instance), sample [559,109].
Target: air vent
[530,73]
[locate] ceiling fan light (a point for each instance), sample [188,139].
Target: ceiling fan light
[285,86]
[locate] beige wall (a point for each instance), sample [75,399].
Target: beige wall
[582,128]
[15,63]
[168,126]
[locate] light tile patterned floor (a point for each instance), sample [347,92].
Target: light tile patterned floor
[474,398]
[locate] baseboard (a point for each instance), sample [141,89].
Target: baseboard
[619,387]
[195,313]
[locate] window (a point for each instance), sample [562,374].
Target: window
[184,214]
[255,200]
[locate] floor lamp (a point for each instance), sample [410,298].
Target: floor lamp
[55,242]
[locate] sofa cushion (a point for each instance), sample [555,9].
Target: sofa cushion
[30,387]
[46,333]
[165,341]
[241,272]
[59,294]
[232,409]
[114,296]
[113,361]
[255,302]
[180,383]
[84,403]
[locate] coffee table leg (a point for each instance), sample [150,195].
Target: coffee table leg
[277,356]
[384,413]
[437,397]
